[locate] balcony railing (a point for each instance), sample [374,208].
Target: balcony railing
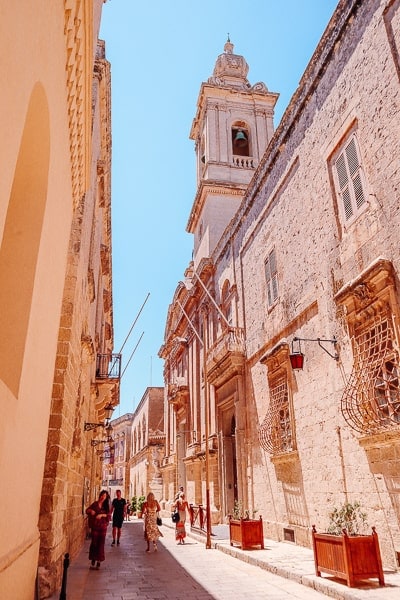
[176,384]
[230,342]
[113,482]
[225,358]
[108,366]
[245,162]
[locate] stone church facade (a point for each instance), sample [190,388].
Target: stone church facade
[58,372]
[296,256]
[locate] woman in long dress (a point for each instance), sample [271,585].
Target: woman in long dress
[180,530]
[99,517]
[150,509]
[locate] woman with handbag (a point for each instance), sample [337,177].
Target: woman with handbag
[181,506]
[150,510]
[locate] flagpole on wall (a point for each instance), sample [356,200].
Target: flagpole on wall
[207,433]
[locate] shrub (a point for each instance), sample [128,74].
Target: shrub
[348,516]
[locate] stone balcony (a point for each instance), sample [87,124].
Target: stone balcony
[178,391]
[226,356]
[107,384]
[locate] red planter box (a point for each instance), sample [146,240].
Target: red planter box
[247,533]
[353,558]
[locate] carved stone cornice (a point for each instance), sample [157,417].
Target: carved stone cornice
[368,294]
[79,68]
[178,394]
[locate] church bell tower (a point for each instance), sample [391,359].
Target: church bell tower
[231,130]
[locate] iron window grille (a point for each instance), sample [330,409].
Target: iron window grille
[371,399]
[275,432]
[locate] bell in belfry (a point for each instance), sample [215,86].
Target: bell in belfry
[240,139]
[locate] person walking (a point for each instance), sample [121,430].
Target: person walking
[150,509]
[182,506]
[118,515]
[178,493]
[99,517]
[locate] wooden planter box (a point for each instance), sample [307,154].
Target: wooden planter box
[247,533]
[353,558]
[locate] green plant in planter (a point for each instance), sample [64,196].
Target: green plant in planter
[140,501]
[239,513]
[350,517]
[134,504]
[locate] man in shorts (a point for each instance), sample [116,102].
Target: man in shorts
[118,516]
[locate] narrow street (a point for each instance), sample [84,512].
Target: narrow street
[174,572]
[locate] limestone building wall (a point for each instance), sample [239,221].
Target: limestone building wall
[72,474]
[293,208]
[50,247]
[311,253]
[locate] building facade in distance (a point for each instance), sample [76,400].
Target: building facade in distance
[147,445]
[115,456]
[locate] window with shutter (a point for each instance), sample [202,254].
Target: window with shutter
[349,178]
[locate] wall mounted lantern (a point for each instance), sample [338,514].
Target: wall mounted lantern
[107,440]
[108,409]
[297,357]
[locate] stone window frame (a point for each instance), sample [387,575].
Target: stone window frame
[273,432]
[346,166]
[228,299]
[372,314]
[271,278]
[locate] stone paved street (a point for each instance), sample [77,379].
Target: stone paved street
[192,572]
[174,572]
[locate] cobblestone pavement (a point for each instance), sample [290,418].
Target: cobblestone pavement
[192,572]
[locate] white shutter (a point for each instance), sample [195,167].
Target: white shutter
[348,170]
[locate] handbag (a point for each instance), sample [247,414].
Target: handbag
[175,516]
[159,520]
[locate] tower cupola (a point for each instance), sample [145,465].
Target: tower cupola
[231,130]
[230,69]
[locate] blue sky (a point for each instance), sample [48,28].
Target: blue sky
[160,53]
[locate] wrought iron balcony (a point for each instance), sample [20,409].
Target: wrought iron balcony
[108,366]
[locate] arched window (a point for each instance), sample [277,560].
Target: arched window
[144,431]
[227,301]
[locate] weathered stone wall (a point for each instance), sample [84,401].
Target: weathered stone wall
[291,206]
[72,473]
[46,173]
